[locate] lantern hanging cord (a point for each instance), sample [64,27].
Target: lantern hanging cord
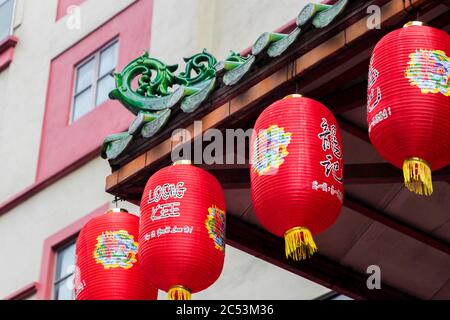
[417,174]
[116,201]
[179,293]
[299,244]
[412,10]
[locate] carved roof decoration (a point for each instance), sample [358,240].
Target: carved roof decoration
[151,89]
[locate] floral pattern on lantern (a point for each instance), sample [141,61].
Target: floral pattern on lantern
[430,71]
[215,224]
[270,149]
[116,249]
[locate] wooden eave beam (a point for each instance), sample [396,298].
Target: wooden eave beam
[393,223]
[354,174]
[324,271]
[318,52]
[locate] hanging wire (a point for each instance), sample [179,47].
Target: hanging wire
[413,10]
[346,45]
[116,201]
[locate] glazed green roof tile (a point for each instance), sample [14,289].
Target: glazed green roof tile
[160,89]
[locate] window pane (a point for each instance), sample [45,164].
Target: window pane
[66,261]
[64,290]
[85,75]
[6,12]
[104,86]
[108,59]
[82,104]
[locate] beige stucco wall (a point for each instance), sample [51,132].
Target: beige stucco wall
[24,229]
[24,84]
[248,278]
[180,28]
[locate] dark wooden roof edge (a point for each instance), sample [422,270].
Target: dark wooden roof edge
[261,69]
[265,67]
[238,177]
[318,269]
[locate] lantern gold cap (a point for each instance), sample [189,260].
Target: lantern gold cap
[414,24]
[179,162]
[295,95]
[117,210]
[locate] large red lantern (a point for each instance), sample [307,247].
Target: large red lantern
[107,260]
[182,231]
[296,172]
[408,104]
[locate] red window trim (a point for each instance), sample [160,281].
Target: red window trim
[51,244]
[94,55]
[63,145]
[23,293]
[7,51]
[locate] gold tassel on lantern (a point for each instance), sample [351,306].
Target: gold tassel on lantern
[417,174]
[179,293]
[299,244]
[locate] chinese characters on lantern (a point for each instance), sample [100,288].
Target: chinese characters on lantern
[331,189]
[167,210]
[373,100]
[78,283]
[332,160]
[168,230]
[372,79]
[331,144]
[379,117]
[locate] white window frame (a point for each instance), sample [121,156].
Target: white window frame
[94,85]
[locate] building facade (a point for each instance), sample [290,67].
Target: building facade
[56,60]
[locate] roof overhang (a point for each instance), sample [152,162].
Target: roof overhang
[329,65]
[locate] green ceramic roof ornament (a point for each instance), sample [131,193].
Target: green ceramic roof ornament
[154,80]
[151,89]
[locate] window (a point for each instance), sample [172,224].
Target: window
[65,266]
[58,260]
[64,143]
[6,18]
[94,81]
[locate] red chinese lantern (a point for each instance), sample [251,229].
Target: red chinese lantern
[107,260]
[182,231]
[296,172]
[408,104]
